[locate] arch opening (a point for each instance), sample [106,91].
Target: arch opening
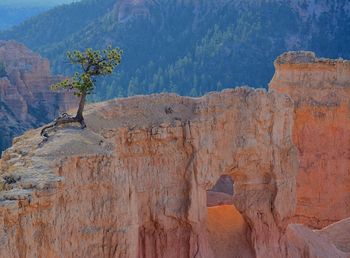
[228,232]
[221,193]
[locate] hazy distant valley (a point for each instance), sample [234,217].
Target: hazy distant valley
[14,12]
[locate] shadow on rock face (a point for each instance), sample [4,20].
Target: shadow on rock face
[221,193]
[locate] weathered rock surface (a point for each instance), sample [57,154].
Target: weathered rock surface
[133,184]
[320,89]
[338,234]
[25,97]
[305,243]
[332,241]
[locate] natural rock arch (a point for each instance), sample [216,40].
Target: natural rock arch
[140,181]
[228,233]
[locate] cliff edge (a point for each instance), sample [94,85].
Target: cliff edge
[320,89]
[134,183]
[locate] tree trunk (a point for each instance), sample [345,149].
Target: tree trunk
[79,115]
[66,119]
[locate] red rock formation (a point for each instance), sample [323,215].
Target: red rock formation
[133,184]
[25,98]
[126,9]
[320,89]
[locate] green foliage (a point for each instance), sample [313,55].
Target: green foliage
[92,63]
[2,70]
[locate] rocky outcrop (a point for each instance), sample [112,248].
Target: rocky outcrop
[26,100]
[127,9]
[134,183]
[338,234]
[332,241]
[320,89]
[305,243]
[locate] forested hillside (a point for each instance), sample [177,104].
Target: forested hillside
[188,47]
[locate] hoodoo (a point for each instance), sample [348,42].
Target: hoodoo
[320,89]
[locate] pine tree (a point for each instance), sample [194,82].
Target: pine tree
[93,63]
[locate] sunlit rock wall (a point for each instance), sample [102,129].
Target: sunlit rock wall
[133,184]
[320,89]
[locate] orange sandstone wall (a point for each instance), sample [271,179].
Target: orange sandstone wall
[133,183]
[320,89]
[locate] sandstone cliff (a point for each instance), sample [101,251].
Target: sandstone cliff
[320,89]
[134,183]
[25,98]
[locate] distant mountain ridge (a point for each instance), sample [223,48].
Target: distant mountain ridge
[34,3]
[11,16]
[189,47]
[13,12]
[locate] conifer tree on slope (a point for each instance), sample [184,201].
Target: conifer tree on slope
[92,63]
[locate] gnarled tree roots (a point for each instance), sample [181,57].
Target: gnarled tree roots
[61,120]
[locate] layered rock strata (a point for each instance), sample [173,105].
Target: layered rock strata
[320,89]
[26,100]
[133,184]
